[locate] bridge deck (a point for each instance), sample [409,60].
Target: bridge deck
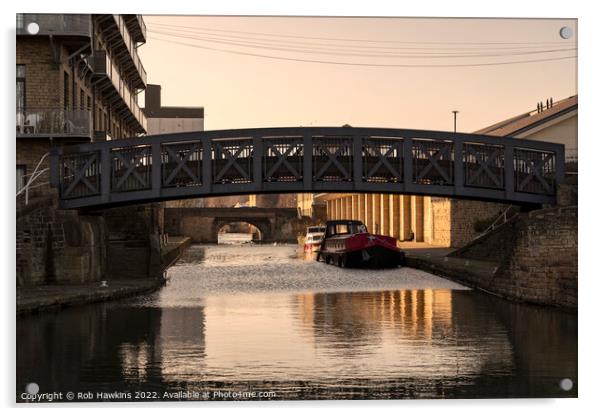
[307,159]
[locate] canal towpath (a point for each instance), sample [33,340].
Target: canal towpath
[44,297]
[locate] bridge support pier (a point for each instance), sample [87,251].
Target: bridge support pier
[376,202]
[362,207]
[354,207]
[348,207]
[418,218]
[406,216]
[384,214]
[395,216]
[369,222]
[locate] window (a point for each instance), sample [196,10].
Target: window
[346,228]
[66,90]
[20,177]
[20,87]
[89,103]
[82,99]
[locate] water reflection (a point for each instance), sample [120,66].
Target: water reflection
[382,344]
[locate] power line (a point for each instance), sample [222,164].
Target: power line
[363,64]
[339,46]
[258,45]
[355,40]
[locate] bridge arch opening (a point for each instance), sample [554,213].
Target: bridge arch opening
[238,232]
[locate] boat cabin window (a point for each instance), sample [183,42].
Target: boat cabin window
[346,228]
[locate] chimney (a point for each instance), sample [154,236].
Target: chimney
[152,98]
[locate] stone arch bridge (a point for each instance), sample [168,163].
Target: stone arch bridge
[202,224]
[307,159]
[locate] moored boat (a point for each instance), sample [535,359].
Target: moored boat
[347,243]
[313,239]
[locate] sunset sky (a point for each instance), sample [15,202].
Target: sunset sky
[266,78]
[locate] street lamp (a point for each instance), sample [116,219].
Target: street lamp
[455,116]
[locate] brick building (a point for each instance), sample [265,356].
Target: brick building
[77,80]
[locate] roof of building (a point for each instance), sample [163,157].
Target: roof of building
[524,122]
[154,109]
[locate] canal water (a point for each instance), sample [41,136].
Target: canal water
[258,322]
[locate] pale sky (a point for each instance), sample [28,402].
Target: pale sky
[241,91]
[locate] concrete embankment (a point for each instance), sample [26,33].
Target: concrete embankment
[531,259]
[38,298]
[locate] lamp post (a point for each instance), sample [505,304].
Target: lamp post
[455,116]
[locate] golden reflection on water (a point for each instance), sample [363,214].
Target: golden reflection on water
[432,342]
[405,333]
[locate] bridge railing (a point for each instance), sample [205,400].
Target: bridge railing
[307,160]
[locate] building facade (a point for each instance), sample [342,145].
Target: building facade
[78,78]
[168,119]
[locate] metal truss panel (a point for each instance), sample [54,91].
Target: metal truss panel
[182,164]
[79,175]
[232,161]
[282,159]
[332,158]
[382,159]
[534,171]
[130,169]
[484,165]
[433,162]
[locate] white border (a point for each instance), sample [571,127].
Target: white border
[590,97]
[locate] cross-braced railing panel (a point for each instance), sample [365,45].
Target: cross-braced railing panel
[232,161]
[332,158]
[182,164]
[131,168]
[483,166]
[382,159]
[282,159]
[534,171]
[432,162]
[80,175]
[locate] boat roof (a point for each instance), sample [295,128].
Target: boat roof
[343,222]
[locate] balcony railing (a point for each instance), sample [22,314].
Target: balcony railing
[136,26]
[104,66]
[54,121]
[130,45]
[56,24]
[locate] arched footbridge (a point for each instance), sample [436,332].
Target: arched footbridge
[307,159]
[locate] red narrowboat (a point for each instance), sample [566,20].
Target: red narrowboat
[347,243]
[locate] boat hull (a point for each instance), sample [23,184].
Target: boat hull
[362,250]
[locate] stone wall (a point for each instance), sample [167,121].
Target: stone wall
[567,193]
[134,246]
[537,257]
[543,266]
[440,231]
[58,246]
[464,214]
